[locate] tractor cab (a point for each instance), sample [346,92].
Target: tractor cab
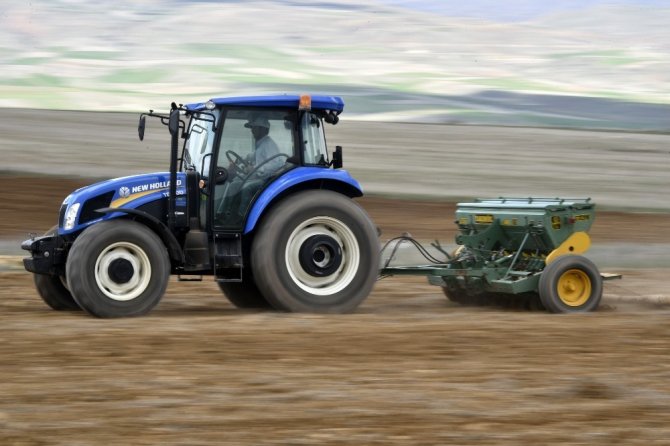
[237,146]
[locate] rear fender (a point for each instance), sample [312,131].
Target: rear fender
[302,178]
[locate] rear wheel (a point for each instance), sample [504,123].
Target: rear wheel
[317,251]
[52,289]
[244,294]
[570,284]
[118,268]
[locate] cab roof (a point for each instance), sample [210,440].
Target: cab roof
[319,102]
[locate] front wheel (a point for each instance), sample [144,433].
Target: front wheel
[316,251]
[570,284]
[53,292]
[118,268]
[52,288]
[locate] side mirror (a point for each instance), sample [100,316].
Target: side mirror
[173,124]
[337,158]
[140,127]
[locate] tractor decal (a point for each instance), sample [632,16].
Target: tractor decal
[119,202]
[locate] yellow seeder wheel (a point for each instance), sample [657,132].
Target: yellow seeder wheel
[574,287]
[570,284]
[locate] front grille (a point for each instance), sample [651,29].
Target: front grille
[88,209]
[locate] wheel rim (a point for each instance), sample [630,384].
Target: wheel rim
[122,271]
[574,287]
[331,260]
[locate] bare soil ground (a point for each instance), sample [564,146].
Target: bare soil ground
[408,367]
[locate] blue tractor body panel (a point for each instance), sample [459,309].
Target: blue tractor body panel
[127,192]
[135,191]
[294,178]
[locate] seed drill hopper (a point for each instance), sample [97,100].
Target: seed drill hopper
[530,247]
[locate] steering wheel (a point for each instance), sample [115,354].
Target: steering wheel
[242,185]
[255,169]
[241,166]
[235,158]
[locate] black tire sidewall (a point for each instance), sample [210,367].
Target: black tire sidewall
[51,288]
[81,268]
[244,294]
[54,294]
[268,253]
[548,285]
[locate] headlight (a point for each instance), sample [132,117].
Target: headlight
[71,217]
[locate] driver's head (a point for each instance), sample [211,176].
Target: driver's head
[260,126]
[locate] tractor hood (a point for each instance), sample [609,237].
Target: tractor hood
[79,208]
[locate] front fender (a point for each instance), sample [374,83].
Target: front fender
[305,177]
[173,246]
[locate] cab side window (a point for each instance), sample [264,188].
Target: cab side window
[256,146]
[314,140]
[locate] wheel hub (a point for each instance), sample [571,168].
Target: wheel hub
[121,271]
[574,287]
[320,255]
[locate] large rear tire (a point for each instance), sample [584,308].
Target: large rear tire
[118,268]
[52,289]
[570,284]
[244,294]
[316,251]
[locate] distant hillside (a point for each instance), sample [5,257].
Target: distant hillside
[603,66]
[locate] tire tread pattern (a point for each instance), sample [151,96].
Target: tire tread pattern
[81,265]
[268,262]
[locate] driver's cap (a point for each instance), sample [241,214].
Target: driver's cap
[258,121]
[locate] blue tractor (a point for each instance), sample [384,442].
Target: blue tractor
[252,198]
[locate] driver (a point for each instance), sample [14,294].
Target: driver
[265,147]
[249,173]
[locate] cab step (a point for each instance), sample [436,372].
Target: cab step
[181,278]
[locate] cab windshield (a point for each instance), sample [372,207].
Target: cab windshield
[200,141]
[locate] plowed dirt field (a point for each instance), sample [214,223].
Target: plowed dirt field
[407,368]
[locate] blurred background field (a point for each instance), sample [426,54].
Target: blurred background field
[591,64]
[577,65]
[619,170]
[444,101]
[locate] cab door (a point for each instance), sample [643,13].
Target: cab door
[255,147]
